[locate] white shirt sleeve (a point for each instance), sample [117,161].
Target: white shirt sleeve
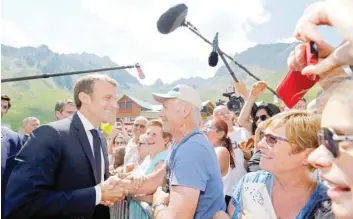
[98,194]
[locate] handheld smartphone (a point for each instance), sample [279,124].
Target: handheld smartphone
[295,85]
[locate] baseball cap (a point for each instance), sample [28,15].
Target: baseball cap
[181,92]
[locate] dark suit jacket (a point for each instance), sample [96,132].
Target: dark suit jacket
[55,177]
[10,146]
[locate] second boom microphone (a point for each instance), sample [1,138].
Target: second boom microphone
[213,58]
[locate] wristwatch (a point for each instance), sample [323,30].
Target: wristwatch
[158,205]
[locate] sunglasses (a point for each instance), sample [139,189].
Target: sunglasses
[262,117]
[142,143]
[331,140]
[271,140]
[140,125]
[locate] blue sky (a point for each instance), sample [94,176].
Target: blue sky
[125,30]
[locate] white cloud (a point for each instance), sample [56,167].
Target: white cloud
[11,35]
[179,54]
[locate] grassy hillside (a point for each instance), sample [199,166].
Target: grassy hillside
[33,98]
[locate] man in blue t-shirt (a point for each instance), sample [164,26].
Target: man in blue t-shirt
[196,188]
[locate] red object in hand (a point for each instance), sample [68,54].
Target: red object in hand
[295,85]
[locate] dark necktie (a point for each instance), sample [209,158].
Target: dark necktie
[97,154]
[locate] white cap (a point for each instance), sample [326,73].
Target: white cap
[181,92]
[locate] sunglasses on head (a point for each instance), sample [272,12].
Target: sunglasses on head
[328,138]
[271,140]
[140,125]
[262,117]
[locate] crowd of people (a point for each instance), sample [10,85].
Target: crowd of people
[267,162]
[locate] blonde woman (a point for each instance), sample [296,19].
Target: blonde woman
[288,140]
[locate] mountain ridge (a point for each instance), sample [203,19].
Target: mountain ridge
[266,61]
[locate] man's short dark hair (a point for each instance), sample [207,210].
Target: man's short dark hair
[8,99]
[85,84]
[59,106]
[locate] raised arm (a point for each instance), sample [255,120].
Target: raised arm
[257,90]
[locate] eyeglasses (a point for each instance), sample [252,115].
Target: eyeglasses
[262,117]
[329,138]
[271,140]
[224,113]
[120,142]
[140,125]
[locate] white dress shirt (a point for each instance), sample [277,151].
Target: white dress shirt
[88,126]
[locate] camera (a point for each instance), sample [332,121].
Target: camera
[235,103]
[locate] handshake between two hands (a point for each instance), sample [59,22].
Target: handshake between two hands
[115,189]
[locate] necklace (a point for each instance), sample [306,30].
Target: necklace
[308,192]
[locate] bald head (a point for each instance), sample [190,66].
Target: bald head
[219,109]
[177,114]
[222,112]
[139,126]
[29,124]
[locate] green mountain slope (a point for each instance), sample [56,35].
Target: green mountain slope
[33,98]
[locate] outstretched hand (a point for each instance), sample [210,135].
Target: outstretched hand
[113,190]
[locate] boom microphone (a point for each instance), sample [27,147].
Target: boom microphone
[172,19]
[139,71]
[213,58]
[176,17]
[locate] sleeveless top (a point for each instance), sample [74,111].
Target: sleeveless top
[227,183]
[134,207]
[161,156]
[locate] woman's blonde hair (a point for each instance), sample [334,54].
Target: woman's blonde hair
[301,128]
[159,123]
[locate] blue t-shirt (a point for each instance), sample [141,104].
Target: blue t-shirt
[193,163]
[261,176]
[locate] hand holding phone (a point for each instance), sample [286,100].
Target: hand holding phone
[295,85]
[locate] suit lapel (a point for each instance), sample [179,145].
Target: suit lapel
[83,139]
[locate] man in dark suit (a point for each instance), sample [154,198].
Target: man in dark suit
[10,146]
[29,124]
[63,165]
